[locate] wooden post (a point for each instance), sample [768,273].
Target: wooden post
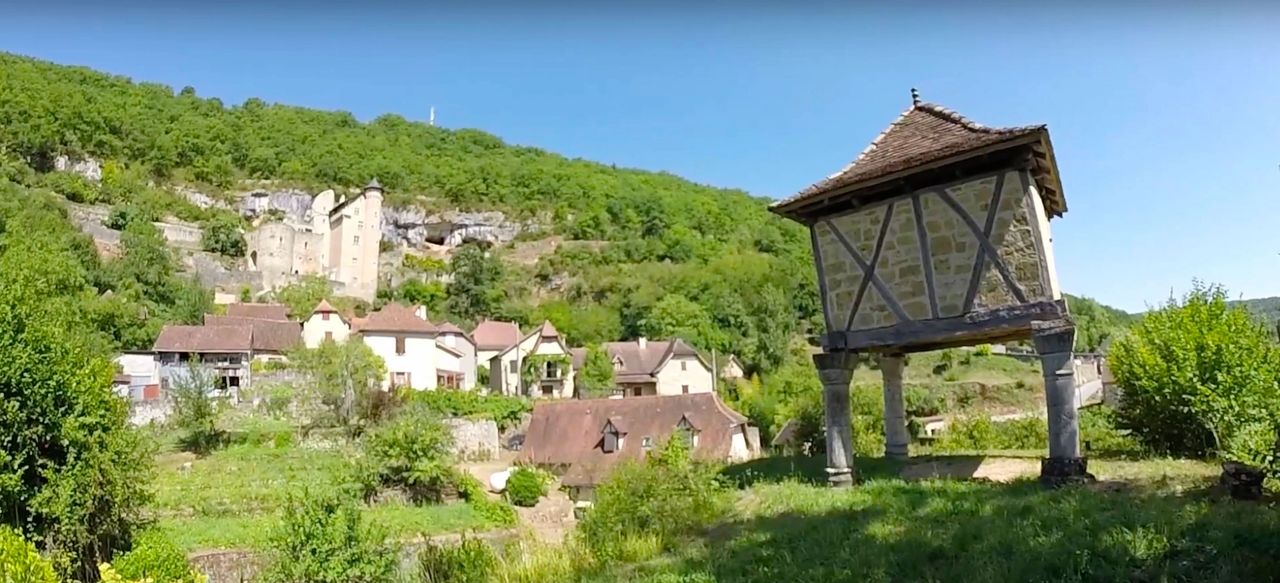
[835,369]
[897,439]
[1054,341]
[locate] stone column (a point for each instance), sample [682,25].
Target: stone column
[1054,341]
[835,369]
[897,439]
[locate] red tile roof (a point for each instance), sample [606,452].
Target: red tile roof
[204,339]
[923,134]
[395,318]
[494,335]
[260,311]
[568,434]
[268,335]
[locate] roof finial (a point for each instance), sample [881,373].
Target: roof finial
[915,97]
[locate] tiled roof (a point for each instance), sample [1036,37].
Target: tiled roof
[494,335]
[395,318]
[205,339]
[638,364]
[260,311]
[568,433]
[923,134]
[268,335]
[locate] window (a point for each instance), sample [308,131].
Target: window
[328,336]
[400,345]
[684,389]
[684,365]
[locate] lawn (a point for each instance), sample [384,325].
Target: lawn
[1155,520]
[231,498]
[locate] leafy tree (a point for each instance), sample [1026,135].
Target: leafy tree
[1199,376]
[476,291]
[322,539]
[346,378]
[222,235]
[596,377]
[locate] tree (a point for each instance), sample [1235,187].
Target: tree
[1198,376]
[596,377]
[345,377]
[194,411]
[477,288]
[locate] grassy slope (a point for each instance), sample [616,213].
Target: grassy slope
[1147,521]
[231,498]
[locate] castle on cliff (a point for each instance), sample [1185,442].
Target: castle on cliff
[340,241]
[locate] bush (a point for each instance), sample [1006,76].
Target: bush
[470,561]
[526,486]
[19,561]
[322,539]
[412,451]
[503,410]
[156,558]
[1199,377]
[665,499]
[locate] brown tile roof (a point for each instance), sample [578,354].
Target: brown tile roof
[396,318]
[204,339]
[923,134]
[638,364]
[260,311]
[568,434]
[494,335]
[268,335]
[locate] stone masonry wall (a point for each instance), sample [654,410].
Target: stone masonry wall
[953,249]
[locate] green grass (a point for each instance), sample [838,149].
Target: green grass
[232,498]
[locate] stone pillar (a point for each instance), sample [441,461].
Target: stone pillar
[1054,342]
[835,369]
[897,439]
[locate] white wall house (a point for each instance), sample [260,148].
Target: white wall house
[555,380]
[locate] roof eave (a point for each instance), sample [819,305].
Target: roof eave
[799,209]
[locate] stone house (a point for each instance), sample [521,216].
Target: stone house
[340,241]
[416,352]
[554,375]
[583,440]
[643,368]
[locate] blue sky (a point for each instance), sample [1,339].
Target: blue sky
[1165,123]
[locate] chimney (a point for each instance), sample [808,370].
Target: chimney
[642,342]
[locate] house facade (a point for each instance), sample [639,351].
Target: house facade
[546,351]
[645,368]
[339,241]
[583,440]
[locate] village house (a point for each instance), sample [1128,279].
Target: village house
[545,353]
[583,440]
[339,240]
[416,352]
[644,368]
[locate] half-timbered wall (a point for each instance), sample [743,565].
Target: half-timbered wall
[936,253]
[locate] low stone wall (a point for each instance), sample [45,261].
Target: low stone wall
[474,440]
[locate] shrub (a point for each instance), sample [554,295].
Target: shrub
[412,451]
[1199,377]
[667,498]
[322,539]
[470,561]
[155,557]
[526,485]
[19,561]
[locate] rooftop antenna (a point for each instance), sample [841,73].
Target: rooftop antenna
[432,120]
[915,97]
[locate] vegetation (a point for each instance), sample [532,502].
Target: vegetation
[1200,378]
[526,486]
[323,539]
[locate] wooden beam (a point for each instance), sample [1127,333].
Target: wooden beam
[1006,323]
[926,255]
[986,245]
[875,260]
[885,294]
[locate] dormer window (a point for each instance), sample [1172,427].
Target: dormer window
[612,437]
[687,431]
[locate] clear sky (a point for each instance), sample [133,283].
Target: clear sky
[1165,121]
